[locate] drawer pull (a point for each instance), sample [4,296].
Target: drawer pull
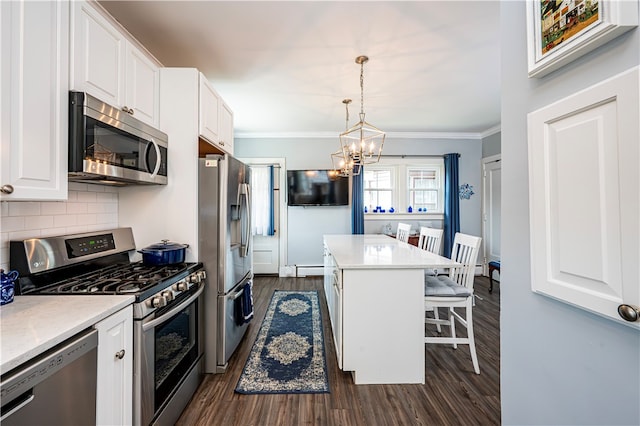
[120,354]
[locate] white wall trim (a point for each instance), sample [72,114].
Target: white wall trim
[391,135]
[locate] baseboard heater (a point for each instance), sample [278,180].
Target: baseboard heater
[309,270]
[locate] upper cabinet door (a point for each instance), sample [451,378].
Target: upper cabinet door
[209,122]
[109,66]
[34,113]
[98,55]
[143,86]
[226,127]
[583,181]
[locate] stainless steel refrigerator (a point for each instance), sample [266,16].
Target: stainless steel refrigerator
[224,235]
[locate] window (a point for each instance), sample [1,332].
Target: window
[400,182]
[378,188]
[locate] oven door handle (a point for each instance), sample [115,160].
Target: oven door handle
[173,312]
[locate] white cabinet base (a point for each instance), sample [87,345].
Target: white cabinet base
[383,325]
[115,369]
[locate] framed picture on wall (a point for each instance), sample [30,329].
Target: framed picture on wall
[559,31]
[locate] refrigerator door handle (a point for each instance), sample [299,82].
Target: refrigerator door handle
[245,191]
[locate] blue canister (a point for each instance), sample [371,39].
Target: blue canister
[7,282]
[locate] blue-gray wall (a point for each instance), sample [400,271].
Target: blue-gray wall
[491,145]
[306,225]
[559,364]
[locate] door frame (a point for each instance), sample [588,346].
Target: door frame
[485,203]
[282,203]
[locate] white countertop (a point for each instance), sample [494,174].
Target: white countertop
[30,325]
[377,251]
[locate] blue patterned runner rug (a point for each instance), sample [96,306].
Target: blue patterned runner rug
[288,355]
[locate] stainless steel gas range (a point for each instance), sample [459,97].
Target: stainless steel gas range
[168,309]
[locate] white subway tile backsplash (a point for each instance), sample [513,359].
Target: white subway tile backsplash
[102,208]
[106,197]
[78,229]
[24,235]
[65,221]
[103,218]
[86,197]
[77,186]
[12,223]
[52,232]
[88,208]
[38,222]
[24,209]
[76,208]
[87,219]
[53,207]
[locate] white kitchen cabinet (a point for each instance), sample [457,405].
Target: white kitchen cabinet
[215,117]
[584,209]
[226,127]
[34,88]
[333,295]
[115,369]
[108,65]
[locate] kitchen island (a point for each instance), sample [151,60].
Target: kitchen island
[374,286]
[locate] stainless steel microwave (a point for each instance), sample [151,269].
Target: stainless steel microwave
[108,146]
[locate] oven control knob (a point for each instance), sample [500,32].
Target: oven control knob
[168,295]
[193,278]
[202,275]
[158,301]
[181,286]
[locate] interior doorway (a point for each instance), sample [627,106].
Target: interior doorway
[269,249]
[491,206]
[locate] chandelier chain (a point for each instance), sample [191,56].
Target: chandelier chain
[362,88]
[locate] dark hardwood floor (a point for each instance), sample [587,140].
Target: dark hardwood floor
[452,395]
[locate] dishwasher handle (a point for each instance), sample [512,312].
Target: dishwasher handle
[17,405]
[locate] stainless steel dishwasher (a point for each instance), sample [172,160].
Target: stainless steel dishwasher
[56,388]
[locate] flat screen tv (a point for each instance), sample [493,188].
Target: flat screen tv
[317,188]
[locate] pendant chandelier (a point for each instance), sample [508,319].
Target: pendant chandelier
[361,144]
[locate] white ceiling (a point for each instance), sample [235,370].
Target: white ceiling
[285,67]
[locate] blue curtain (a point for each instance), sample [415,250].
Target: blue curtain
[451,202]
[357,202]
[271,228]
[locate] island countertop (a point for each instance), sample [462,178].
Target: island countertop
[377,251]
[31,325]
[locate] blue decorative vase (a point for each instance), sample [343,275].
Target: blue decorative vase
[7,282]
[410,209]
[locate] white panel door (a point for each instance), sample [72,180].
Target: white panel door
[143,86]
[491,203]
[584,192]
[35,100]
[98,56]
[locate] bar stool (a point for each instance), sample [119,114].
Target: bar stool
[493,266]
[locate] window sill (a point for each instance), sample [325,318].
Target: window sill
[403,216]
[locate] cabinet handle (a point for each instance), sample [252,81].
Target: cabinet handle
[629,313]
[120,354]
[125,108]
[6,189]
[222,143]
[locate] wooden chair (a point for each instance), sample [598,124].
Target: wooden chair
[455,291]
[430,240]
[402,234]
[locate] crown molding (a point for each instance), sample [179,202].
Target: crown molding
[392,135]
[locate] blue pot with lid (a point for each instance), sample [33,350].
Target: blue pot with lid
[8,285]
[164,253]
